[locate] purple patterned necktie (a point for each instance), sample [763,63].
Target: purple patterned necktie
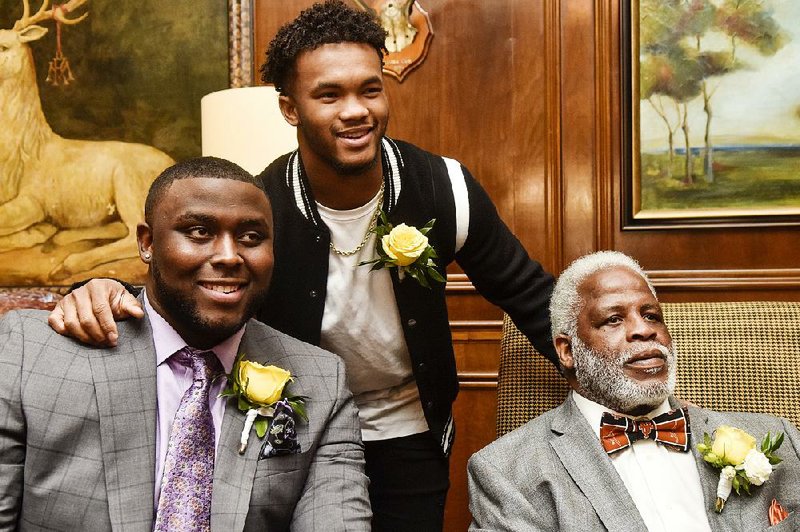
[185,500]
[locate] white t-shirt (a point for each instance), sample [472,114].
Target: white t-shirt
[361,324]
[664,484]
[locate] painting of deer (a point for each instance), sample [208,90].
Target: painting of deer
[55,191]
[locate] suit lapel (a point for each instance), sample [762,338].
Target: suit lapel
[125,383]
[234,473]
[584,459]
[730,518]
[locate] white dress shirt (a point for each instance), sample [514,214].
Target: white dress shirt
[664,484]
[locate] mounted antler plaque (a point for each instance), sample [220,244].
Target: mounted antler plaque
[408,33]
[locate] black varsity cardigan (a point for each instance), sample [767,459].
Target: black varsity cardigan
[417,189]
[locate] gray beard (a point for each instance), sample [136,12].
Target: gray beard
[602,380]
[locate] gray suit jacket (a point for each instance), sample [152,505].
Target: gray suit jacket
[552,474]
[78,425]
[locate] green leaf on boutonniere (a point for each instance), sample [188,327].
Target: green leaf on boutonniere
[298,405]
[242,404]
[261,426]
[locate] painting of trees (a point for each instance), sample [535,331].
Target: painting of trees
[689,52]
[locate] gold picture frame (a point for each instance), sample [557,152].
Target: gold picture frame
[686,114]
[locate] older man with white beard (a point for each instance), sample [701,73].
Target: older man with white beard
[621,453]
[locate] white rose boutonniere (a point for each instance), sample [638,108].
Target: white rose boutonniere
[260,392]
[742,465]
[406,248]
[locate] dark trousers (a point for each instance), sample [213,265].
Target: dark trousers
[408,482]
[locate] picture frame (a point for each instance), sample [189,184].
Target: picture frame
[240,43]
[739,176]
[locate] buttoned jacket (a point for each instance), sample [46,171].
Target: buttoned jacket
[553,474]
[78,426]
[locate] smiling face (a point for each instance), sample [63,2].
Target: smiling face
[622,355]
[336,100]
[210,247]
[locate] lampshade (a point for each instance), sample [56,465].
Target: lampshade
[245,125]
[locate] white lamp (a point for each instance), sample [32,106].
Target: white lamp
[245,125]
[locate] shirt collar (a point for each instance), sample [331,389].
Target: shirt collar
[297,181]
[167,340]
[594,411]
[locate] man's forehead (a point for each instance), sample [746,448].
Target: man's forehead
[341,56]
[613,283]
[201,197]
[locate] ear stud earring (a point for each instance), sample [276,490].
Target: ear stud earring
[146,255]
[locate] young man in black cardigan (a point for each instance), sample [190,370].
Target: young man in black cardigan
[327,199]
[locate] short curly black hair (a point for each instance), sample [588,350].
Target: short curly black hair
[323,23]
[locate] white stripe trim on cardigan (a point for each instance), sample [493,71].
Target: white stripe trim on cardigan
[393,183]
[461,199]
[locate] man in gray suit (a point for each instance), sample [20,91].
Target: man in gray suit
[562,471]
[136,437]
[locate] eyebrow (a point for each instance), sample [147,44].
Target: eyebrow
[188,217]
[333,85]
[619,308]
[327,85]
[193,217]
[255,222]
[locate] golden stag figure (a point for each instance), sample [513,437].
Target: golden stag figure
[55,190]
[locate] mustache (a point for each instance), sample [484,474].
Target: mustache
[623,357]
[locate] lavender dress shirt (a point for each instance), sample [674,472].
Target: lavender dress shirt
[173,379]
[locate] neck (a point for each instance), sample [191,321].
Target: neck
[342,190]
[635,411]
[640,410]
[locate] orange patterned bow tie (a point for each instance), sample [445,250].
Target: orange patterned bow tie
[671,429]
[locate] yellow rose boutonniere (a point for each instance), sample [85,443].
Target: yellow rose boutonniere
[260,391]
[731,445]
[406,248]
[741,464]
[262,385]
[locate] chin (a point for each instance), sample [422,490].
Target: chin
[355,167]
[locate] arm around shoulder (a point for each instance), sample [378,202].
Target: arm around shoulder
[503,272]
[88,312]
[12,421]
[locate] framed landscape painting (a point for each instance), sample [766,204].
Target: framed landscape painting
[712,105]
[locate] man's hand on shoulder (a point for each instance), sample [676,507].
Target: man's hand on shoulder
[88,313]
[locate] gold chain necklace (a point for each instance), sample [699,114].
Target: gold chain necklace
[372,225]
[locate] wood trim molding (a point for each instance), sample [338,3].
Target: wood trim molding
[481,384]
[553,189]
[459,282]
[676,279]
[606,97]
[726,279]
[492,325]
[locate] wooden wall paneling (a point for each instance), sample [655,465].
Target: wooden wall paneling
[477,357]
[534,144]
[606,121]
[578,130]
